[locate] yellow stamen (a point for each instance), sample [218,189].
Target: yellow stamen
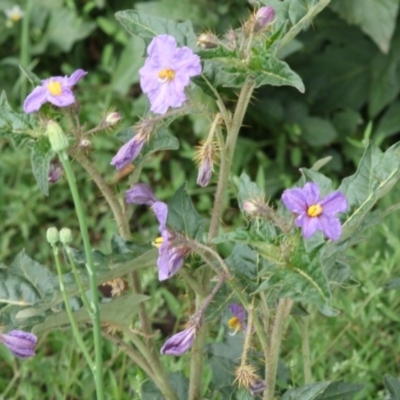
[16,16]
[315,210]
[157,242]
[166,75]
[234,323]
[54,88]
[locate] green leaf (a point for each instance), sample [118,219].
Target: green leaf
[324,391]
[377,18]
[389,124]
[376,174]
[317,131]
[13,125]
[182,216]
[41,155]
[243,262]
[118,312]
[266,70]
[161,140]
[178,382]
[393,284]
[147,26]
[393,386]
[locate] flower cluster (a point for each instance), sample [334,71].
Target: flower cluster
[170,258]
[56,90]
[314,213]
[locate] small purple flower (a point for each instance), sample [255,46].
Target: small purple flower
[55,172]
[128,152]
[237,322]
[257,387]
[170,259]
[140,194]
[315,213]
[179,343]
[21,344]
[264,17]
[205,172]
[56,90]
[166,72]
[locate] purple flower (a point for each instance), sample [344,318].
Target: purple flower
[179,343]
[257,387]
[55,172]
[170,259]
[205,173]
[21,344]
[128,152]
[140,194]
[56,90]
[166,72]
[237,322]
[264,17]
[315,213]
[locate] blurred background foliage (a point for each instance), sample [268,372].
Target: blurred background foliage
[349,59]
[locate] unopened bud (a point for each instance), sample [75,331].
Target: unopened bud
[52,235]
[264,17]
[65,236]
[113,118]
[207,41]
[57,138]
[249,207]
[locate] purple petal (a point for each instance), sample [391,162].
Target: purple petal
[205,173]
[162,49]
[176,259]
[140,194]
[163,261]
[35,99]
[179,343]
[161,211]
[295,200]
[76,77]
[311,193]
[334,203]
[65,99]
[127,153]
[308,225]
[21,344]
[330,226]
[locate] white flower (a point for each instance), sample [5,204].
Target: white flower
[14,13]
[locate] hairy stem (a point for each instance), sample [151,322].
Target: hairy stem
[303,323]
[277,331]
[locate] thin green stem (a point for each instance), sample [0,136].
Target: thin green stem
[247,338]
[95,311]
[75,329]
[277,331]
[227,154]
[77,278]
[303,323]
[25,46]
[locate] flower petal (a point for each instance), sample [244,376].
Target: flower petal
[334,203]
[330,226]
[65,99]
[76,77]
[140,194]
[295,200]
[179,343]
[308,225]
[127,153]
[311,193]
[35,99]
[161,211]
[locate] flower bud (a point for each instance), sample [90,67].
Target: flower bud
[179,343]
[249,206]
[57,138]
[207,41]
[52,235]
[205,173]
[85,143]
[21,344]
[55,172]
[113,118]
[264,17]
[65,236]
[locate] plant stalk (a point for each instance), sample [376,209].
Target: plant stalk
[95,311]
[303,323]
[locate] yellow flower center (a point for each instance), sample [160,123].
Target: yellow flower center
[315,210]
[157,242]
[15,16]
[166,75]
[54,88]
[234,323]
